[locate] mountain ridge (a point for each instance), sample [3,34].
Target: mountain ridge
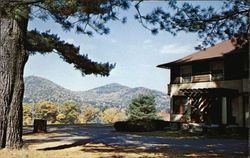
[113,94]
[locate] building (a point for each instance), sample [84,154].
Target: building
[211,86]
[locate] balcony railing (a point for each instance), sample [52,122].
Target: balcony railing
[201,78]
[215,76]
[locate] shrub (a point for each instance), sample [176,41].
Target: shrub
[143,125]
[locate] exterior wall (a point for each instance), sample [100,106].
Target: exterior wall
[245,85]
[247,116]
[232,84]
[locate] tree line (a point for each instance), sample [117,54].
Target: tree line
[69,113]
[72,113]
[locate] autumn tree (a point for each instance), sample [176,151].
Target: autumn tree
[142,107]
[88,113]
[27,114]
[112,115]
[46,110]
[88,16]
[68,112]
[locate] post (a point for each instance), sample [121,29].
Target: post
[40,126]
[224,110]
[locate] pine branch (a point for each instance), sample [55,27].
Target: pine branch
[46,43]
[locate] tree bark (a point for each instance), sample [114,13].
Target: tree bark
[13,57]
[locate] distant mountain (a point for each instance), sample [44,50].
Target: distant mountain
[37,89]
[112,95]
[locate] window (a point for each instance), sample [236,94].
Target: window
[186,74]
[200,68]
[179,104]
[186,78]
[175,75]
[217,70]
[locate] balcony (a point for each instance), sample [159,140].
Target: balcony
[202,77]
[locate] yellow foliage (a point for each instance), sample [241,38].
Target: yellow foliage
[112,115]
[46,110]
[88,113]
[60,117]
[26,114]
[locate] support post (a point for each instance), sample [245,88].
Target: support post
[224,110]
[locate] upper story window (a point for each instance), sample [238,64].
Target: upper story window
[175,74]
[217,70]
[200,68]
[186,73]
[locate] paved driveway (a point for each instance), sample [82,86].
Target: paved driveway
[78,136]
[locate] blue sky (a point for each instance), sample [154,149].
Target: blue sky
[134,49]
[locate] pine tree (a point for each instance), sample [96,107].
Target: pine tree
[142,107]
[16,44]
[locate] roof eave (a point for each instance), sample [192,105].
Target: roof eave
[172,64]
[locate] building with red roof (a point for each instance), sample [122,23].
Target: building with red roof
[211,85]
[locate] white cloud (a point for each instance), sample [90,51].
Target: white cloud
[112,40]
[176,49]
[107,39]
[149,45]
[70,40]
[147,42]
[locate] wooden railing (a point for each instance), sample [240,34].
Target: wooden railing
[201,78]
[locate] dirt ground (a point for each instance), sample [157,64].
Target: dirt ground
[90,150]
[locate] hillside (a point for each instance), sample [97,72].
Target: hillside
[112,95]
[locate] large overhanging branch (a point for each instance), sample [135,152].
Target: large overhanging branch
[209,24]
[25,2]
[45,43]
[85,16]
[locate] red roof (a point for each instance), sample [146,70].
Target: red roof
[216,51]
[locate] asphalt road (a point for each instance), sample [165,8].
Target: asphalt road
[106,136]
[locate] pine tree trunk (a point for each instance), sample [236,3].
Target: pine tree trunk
[13,57]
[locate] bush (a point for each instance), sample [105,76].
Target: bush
[143,125]
[161,124]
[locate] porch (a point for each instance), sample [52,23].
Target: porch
[205,105]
